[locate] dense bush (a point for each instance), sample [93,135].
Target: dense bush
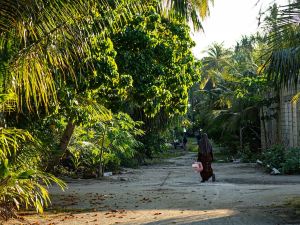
[103,146]
[23,183]
[274,157]
[292,161]
[285,160]
[111,162]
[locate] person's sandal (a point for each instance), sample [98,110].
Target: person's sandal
[213,178]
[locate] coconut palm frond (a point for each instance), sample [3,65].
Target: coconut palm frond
[283,65]
[215,63]
[8,102]
[296,98]
[26,187]
[10,140]
[194,11]
[49,38]
[96,111]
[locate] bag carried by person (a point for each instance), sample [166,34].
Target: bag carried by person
[198,167]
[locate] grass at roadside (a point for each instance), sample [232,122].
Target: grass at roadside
[294,203]
[161,157]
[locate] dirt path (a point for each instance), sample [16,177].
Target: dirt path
[171,193]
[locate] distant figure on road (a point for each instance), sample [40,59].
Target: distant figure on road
[205,156]
[184,141]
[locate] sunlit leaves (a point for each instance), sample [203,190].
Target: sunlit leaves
[156,53]
[95,143]
[50,38]
[8,102]
[26,188]
[11,139]
[192,10]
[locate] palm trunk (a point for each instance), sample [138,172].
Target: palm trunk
[65,140]
[241,138]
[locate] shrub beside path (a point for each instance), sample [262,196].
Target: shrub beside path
[171,193]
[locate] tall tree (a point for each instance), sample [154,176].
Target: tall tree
[156,53]
[215,63]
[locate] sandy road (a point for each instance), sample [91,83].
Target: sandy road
[171,193]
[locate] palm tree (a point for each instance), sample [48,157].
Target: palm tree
[193,11]
[215,63]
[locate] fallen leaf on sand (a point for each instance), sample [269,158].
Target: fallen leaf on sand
[111,216]
[157,214]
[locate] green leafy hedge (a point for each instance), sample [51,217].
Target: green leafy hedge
[287,161]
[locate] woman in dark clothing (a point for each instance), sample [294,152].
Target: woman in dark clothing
[205,156]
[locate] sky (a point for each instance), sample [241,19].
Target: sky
[229,20]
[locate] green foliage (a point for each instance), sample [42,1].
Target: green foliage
[274,156]
[156,53]
[191,10]
[26,188]
[247,155]
[292,161]
[22,183]
[111,162]
[231,94]
[30,30]
[285,160]
[57,62]
[104,144]
[281,35]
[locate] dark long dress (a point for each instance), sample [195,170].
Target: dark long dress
[206,160]
[205,156]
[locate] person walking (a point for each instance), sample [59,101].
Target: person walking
[205,156]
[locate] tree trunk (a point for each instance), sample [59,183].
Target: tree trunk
[241,138]
[100,171]
[64,142]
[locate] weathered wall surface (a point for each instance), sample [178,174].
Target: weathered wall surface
[282,121]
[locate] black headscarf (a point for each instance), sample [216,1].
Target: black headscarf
[205,146]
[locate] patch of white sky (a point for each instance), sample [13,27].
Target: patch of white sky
[229,20]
